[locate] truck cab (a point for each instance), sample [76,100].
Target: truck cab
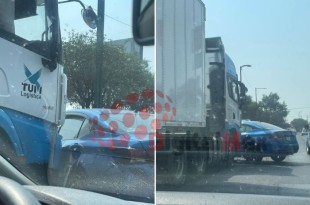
[224,99]
[32,82]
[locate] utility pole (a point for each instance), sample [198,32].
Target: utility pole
[99,50]
[241,70]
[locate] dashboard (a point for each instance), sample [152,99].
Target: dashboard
[186,198]
[13,193]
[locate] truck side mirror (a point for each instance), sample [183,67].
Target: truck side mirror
[88,14]
[143,22]
[89,17]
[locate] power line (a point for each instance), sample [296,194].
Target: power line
[115,19]
[299,108]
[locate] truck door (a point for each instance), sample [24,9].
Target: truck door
[32,83]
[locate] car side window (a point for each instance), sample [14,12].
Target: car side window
[85,129]
[71,127]
[247,128]
[243,128]
[90,128]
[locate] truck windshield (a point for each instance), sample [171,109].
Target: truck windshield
[30,27]
[34,28]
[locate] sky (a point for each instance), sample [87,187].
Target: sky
[271,36]
[117,22]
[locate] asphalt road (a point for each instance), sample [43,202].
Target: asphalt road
[290,177]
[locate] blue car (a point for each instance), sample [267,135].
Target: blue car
[260,139]
[107,150]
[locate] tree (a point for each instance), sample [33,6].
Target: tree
[274,111]
[123,73]
[249,109]
[299,123]
[268,110]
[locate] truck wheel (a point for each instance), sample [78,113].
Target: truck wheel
[278,158]
[177,168]
[201,163]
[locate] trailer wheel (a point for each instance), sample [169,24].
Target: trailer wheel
[201,162]
[177,168]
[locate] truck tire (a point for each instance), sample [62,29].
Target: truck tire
[278,158]
[177,168]
[201,162]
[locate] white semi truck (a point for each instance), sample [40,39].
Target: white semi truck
[198,94]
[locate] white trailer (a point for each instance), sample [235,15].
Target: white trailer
[198,93]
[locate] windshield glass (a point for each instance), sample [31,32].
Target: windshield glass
[17,20]
[202,146]
[106,145]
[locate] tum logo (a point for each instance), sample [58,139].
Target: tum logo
[32,89]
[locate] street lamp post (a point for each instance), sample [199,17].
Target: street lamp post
[241,70]
[256,92]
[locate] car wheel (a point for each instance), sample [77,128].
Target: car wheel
[253,158]
[252,155]
[258,158]
[278,158]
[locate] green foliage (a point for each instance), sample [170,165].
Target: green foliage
[274,111]
[249,109]
[268,110]
[122,73]
[299,123]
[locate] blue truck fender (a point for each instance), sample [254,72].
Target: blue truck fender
[8,127]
